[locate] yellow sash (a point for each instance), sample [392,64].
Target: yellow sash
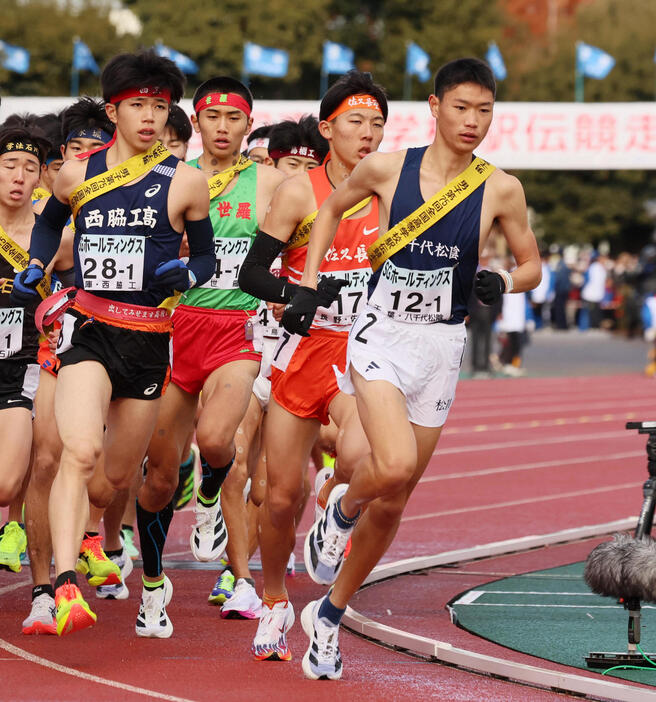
[39,193]
[218,183]
[301,234]
[121,174]
[417,222]
[17,257]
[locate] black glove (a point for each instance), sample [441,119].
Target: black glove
[328,290]
[489,287]
[174,275]
[24,291]
[299,313]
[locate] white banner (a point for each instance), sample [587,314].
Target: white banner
[538,135]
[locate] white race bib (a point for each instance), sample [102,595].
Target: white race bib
[11,331]
[112,262]
[266,325]
[230,255]
[285,348]
[421,297]
[351,300]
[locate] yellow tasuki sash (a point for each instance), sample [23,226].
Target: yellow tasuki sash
[417,222]
[39,193]
[121,174]
[16,255]
[301,234]
[218,183]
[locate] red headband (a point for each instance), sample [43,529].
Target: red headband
[298,151]
[222,100]
[145,92]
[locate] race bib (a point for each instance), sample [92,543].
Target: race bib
[285,348]
[11,331]
[266,325]
[351,300]
[230,254]
[422,297]
[112,262]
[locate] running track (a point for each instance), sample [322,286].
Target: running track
[518,457]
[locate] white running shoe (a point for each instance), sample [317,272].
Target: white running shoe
[120,591]
[322,477]
[322,660]
[291,565]
[244,603]
[152,620]
[325,543]
[270,642]
[209,536]
[42,616]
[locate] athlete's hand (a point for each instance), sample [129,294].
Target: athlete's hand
[174,275]
[489,287]
[277,309]
[328,290]
[24,291]
[299,313]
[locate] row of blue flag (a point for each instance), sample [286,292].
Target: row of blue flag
[591,61]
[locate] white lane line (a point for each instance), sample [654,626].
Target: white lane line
[14,586]
[526,501]
[560,463]
[554,606]
[87,676]
[537,441]
[469,597]
[535,592]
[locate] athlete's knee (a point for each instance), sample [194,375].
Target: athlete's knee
[216,446]
[81,456]
[283,501]
[9,489]
[159,484]
[44,468]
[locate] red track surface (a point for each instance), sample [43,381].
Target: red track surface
[518,457]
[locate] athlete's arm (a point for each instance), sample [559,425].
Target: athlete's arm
[513,219]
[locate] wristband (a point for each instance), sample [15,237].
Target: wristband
[507,278]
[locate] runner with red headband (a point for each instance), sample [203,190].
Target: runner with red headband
[212,348]
[303,383]
[113,348]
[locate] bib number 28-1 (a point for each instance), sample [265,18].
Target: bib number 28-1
[112,262]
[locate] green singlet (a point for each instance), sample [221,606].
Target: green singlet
[234,223]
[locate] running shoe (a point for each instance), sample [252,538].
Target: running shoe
[13,542]
[119,591]
[223,588]
[270,642]
[209,536]
[325,543]
[322,660]
[42,618]
[127,537]
[185,490]
[94,564]
[322,477]
[73,613]
[244,603]
[152,620]
[291,565]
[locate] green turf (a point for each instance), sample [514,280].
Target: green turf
[564,634]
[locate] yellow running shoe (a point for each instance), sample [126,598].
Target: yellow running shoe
[73,613]
[13,542]
[95,565]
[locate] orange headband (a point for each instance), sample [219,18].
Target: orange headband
[354,101]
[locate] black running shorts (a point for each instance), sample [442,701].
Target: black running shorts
[18,383]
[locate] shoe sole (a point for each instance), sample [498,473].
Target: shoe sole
[122,595]
[164,633]
[239,614]
[40,628]
[307,622]
[77,619]
[218,600]
[97,580]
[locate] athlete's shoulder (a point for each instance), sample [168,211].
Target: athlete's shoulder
[504,184]
[186,174]
[381,165]
[70,175]
[269,175]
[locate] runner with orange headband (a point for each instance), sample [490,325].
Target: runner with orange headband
[303,383]
[114,344]
[213,352]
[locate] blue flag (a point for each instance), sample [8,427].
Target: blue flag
[495,59]
[83,58]
[16,58]
[592,61]
[337,58]
[182,61]
[416,62]
[265,61]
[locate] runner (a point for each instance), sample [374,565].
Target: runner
[303,384]
[406,347]
[257,148]
[212,352]
[52,126]
[113,347]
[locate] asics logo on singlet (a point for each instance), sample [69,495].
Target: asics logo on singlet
[153,190]
[367,231]
[150,389]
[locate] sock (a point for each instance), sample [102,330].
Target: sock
[68,577]
[269,601]
[90,534]
[327,610]
[343,522]
[250,581]
[212,480]
[189,462]
[153,528]
[118,552]
[153,586]
[41,589]
[127,527]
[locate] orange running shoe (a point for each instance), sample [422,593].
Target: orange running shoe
[73,613]
[95,565]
